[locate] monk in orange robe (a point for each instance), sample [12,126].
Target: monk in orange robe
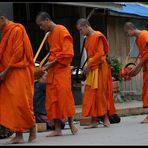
[16,81]
[59,99]
[142,43]
[98,97]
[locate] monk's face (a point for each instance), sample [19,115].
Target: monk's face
[2,22]
[44,25]
[82,29]
[130,32]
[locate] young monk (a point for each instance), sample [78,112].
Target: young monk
[59,99]
[98,99]
[142,43]
[16,80]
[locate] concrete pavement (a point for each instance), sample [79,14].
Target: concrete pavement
[128,132]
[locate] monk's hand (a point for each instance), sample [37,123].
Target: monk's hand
[2,76]
[43,78]
[49,65]
[72,68]
[134,71]
[86,69]
[4,73]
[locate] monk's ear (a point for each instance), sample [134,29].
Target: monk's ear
[46,19]
[2,17]
[86,26]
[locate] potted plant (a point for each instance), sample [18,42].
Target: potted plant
[116,66]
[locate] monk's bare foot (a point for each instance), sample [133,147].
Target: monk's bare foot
[54,133]
[106,124]
[32,136]
[15,140]
[91,126]
[145,120]
[74,130]
[106,121]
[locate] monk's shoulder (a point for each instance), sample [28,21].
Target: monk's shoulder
[96,36]
[99,34]
[144,35]
[63,32]
[145,31]
[62,29]
[17,29]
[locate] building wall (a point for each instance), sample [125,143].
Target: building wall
[7,9]
[118,42]
[120,45]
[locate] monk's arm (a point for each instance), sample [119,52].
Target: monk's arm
[99,57]
[144,58]
[138,67]
[65,56]
[145,54]
[17,49]
[49,64]
[18,58]
[4,73]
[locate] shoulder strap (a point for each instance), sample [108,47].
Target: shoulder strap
[82,52]
[128,56]
[80,58]
[44,59]
[126,61]
[41,45]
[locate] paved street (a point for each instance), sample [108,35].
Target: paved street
[128,132]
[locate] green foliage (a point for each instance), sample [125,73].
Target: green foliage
[116,66]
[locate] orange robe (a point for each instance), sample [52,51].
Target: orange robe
[59,99]
[98,101]
[142,43]
[16,92]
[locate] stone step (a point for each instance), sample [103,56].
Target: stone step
[123,109]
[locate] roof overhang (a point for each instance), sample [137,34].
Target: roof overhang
[103,5]
[132,9]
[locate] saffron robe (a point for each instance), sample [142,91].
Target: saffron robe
[98,101]
[16,92]
[142,43]
[59,98]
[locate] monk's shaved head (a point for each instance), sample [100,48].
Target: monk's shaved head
[83,26]
[130,29]
[42,16]
[129,25]
[83,22]
[44,21]
[3,19]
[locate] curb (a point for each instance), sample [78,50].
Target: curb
[132,111]
[121,112]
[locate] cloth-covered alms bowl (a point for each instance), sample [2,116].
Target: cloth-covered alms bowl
[38,72]
[124,71]
[5,132]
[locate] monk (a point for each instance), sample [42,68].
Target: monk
[16,81]
[142,43]
[98,96]
[59,99]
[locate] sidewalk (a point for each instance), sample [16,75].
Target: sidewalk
[123,109]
